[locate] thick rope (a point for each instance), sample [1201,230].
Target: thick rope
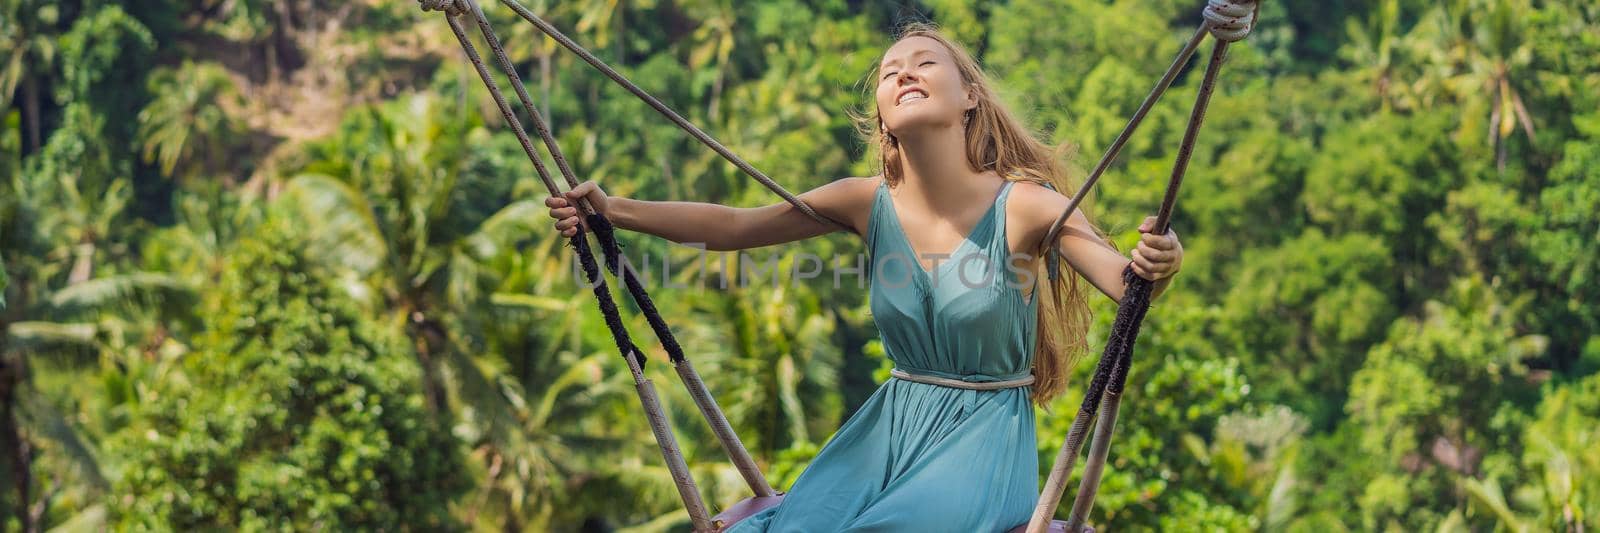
[1119,347]
[603,229]
[500,103]
[1053,256]
[1111,373]
[611,250]
[667,112]
[742,460]
[1228,21]
[688,491]
[449,7]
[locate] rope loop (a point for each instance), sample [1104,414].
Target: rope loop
[449,7]
[1230,20]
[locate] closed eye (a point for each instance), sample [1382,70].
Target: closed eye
[925,63]
[888,75]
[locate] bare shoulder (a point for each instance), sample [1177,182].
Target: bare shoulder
[847,200]
[1035,204]
[857,188]
[1032,208]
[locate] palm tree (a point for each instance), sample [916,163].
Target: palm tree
[763,348]
[713,46]
[188,119]
[1502,63]
[104,317]
[27,49]
[1372,47]
[1478,54]
[607,20]
[83,220]
[394,206]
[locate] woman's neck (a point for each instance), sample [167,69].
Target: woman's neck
[936,171]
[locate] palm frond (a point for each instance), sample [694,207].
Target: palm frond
[503,229]
[46,421]
[91,519]
[1487,493]
[587,370]
[34,334]
[343,230]
[530,301]
[120,289]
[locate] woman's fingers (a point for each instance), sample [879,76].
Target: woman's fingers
[582,190]
[1159,242]
[1156,255]
[1152,269]
[565,214]
[589,192]
[1143,264]
[560,208]
[1140,271]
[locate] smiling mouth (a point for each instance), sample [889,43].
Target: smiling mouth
[911,96]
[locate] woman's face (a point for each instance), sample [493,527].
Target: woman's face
[920,87]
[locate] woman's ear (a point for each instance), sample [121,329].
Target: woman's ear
[972,98]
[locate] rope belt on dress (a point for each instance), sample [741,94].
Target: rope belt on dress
[959,384]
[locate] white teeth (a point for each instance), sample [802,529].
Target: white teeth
[913,95]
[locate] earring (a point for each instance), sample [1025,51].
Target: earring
[966,118]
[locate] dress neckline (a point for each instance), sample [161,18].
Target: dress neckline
[984,222]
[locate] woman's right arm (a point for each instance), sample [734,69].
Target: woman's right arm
[720,227]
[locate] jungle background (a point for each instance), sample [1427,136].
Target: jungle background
[279,264]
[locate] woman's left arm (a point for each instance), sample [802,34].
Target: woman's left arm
[1156,257]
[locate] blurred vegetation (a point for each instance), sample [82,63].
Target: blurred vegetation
[278,265]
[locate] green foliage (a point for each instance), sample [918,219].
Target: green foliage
[5,282]
[1563,457]
[186,120]
[279,265]
[104,59]
[293,412]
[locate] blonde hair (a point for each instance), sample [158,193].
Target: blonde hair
[997,141]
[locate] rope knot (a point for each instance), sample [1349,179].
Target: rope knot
[1230,20]
[449,7]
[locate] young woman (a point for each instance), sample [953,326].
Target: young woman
[954,226]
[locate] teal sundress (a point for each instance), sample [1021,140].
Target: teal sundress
[921,457]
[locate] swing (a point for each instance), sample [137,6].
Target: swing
[1227,20]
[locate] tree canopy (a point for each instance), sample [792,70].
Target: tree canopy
[280,265]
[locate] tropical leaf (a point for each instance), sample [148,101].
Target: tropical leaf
[188,118]
[342,228]
[101,292]
[530,301]
[514,223]
[1487,494]
[90,519]
[52,424]
[32,334]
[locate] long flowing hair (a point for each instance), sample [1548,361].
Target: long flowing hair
[997,141]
